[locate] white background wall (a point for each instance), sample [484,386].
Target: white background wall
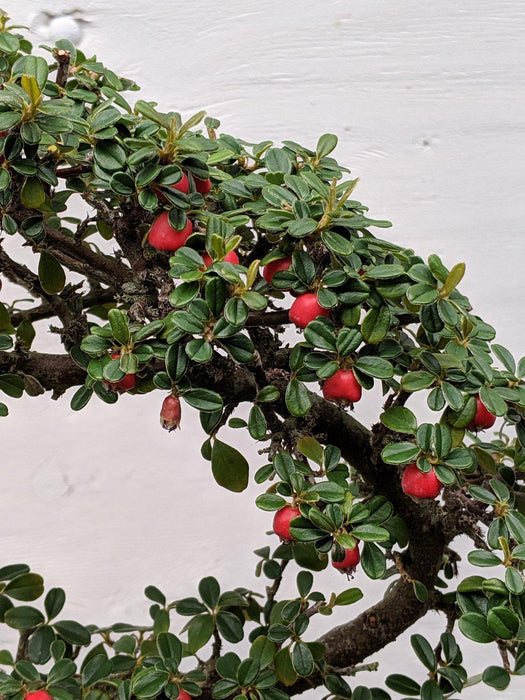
[427,99]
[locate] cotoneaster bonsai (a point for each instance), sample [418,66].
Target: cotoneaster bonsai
[198,252]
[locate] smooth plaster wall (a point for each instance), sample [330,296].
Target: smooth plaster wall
[427,99]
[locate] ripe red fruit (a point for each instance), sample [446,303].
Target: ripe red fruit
[125,384]
[202,186]
[483,419]
[183,695]
[38,695]
[163,237]
[305,308]
[342,386]
[275,266]
[420,484]
[350,561]
[230,257]
[170,413]
[282,519]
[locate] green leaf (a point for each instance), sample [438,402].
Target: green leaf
[400,453]
[351,595]
[25,587]
[203,400]
[371,533]
[496,677]
[270,501]
[64,668]
[399,419]
[118,320]
[453,396]
[263,650]
[209,591]
[474,626]
[148,682]
[310,448]
[415,381]
[32,194]
[325,145]
[506,359]
[73,632]
[375,367]
[423,651]
[12,385]
[51,274]
[169,646]
[229,467]
[376,323]
[402,684]
[97,668]
[297,398]
[81,398]
[481,558]
[199,350]
[110,156]
[503,622]
[23,617]
[514,581]
[492,401]
[39,647]
[302,659]
[373,561]
[256,423]
[230,627]
[278,161]
[320,334]
[453,279]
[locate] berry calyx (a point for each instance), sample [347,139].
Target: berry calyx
[202,186]
[305,309]
[342,387]
[282,520]
[483,418]
[230,257]
[170,413]
[349,562]
[163,237]
[274,266]
[125,384]
[420,484]
[38,695]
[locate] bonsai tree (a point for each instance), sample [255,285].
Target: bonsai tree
[216,273]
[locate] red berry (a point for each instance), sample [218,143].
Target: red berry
[342,386]
[170,413]
[483,419]
[420,484]
[275,266]
[202,186]
[125,384]
[282,519]
[183,185]
[38,695]
[163,237]
[350,561]
[230,257]
[183,695]
[305,308]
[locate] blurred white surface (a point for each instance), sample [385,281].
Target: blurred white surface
[427,99]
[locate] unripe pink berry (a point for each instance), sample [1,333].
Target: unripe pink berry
[170,413]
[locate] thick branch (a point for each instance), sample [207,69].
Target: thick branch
[54,372]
